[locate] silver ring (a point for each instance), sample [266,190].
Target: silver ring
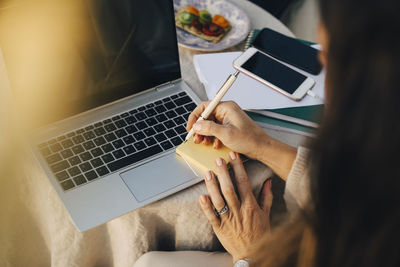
[224,210]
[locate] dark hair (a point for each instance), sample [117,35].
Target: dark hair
[355,172]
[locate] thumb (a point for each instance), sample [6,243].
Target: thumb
[266,196]
[210,128]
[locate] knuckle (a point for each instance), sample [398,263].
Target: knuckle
[229,192]
[242,178]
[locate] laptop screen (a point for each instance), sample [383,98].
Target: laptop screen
[67,56]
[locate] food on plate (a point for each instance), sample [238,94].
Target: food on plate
[202,23]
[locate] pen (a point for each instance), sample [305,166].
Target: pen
[218,96]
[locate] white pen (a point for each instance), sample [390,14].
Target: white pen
[219,95]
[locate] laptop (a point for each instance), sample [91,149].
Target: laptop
[99,84]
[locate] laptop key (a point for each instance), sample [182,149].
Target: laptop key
[102,171]
[139,145]
[131,129]
[110,127]
[180,110]
[160,137]
[141,125]
[150,112]
[158,102]
[140,116]
[67,184]
[53,158]
[130,120]
[115,118]
[166,145]
[170,105]
[96,162]
[141,108]
[99,131]
[118,153]
[166,99]
[176,141]
[174,96]
[125,114]
[169,124]
[45,151]
[190,107]
[118,143]
[61,176]
[88,128]
[78,139]
[128,139]
[110,137]
[74,161]
[161,118]
[171,114]
[133,111]
[80,180]
[121,133]
[107,121]
[98,124]
[182,93]
[99,141]
[91,175]
[85,166]
[170,133]
[160,109]
[80,131]
[78,149]
[150,105]
[183,100]
[186,116]
[139,136]
[107,148]
[179,120]
[66,153]
[180,129]
[159,128]
[151,121]
[96,152]
[120,123]
[107,158]
[183,136]
[133,158]
[74,171]
[88,145]
[150,141]
[129,149]
[56,147]
[149,131]
[67,143]
[86,156]
[60,166]
[70,134]
[60,138]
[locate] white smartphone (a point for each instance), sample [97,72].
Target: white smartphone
[273,74]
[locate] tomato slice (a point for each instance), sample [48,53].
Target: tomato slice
[212,29]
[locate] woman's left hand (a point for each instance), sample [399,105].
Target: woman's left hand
[246,221]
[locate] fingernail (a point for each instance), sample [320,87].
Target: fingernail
[203,199]
[197,127]
[232,155]
[219,161]
[208,175]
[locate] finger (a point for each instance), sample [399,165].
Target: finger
[207,140]
[217,143]
[193,117]
[208,210]
[210,128]
[227,188]
[266,196]
[197,139]
[242,180]
[214,191]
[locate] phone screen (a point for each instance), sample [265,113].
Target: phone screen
[274,72]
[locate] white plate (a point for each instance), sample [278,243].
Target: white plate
[238,19]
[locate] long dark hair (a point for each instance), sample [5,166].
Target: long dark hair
[355,173]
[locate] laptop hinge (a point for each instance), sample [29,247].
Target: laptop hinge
[167,85]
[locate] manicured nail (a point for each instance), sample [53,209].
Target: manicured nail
[197,127]
[203,199]
[219,161]
[208,175]
[232,155]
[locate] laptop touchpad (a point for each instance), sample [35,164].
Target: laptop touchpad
[157,176]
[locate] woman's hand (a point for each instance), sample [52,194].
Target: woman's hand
[231,126]
[246,221]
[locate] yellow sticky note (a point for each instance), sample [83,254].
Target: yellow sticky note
[202,156]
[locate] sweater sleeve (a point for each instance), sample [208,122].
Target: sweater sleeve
[297,191]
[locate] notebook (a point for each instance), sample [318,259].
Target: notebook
[202,157]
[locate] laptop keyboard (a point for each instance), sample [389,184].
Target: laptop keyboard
[107,146]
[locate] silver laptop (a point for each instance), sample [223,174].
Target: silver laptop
[99,82]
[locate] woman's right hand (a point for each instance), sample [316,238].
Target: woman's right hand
[229,124]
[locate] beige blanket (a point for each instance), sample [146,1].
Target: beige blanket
[36,230]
